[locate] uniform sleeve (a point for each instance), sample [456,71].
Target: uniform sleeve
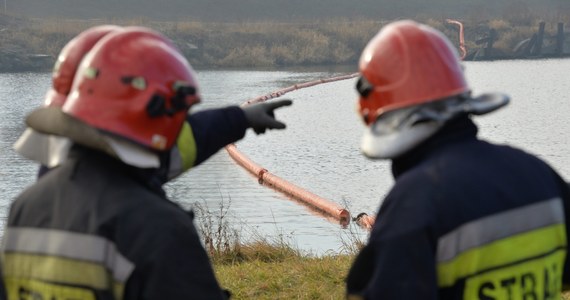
[565,187]
[565,194]
[399,260]
[2,287]
[215,128]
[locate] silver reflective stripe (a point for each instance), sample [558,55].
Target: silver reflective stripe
[69,245]
[498,226]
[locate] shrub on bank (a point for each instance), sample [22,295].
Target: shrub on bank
[254,44]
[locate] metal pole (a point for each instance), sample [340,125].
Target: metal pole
[5,6]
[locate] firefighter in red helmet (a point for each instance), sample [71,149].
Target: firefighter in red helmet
[465,219]
[51,150]
[99,226]
[194,144]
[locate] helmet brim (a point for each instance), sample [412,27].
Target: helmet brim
[53,121]
[487,103]
[393,134]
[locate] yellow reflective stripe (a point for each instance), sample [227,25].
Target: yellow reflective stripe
[500,253]
[498,226]
[72,245]
[540,278]
[187,147]
[354,297]
[55,269]
[34,289]
[118,290]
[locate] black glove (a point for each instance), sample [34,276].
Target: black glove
[260,116]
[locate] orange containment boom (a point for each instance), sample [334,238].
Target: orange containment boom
[295,87]
[326,207]
[365,221]
[266,178]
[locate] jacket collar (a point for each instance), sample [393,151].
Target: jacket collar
[150,178]
[457,129]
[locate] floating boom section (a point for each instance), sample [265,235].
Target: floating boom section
[295,87]
[326,207]
[365,221]
[264,177]
[461,37]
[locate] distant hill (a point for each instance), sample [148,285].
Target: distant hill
[280,10]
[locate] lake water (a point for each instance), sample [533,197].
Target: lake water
[319,149]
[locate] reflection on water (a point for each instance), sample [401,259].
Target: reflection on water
[319,149]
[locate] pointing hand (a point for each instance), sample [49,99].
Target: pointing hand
[261,117]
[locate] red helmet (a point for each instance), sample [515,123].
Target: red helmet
[407,64]
[69,59]
[136,85]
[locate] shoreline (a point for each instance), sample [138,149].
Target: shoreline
[47,68]
[33,44]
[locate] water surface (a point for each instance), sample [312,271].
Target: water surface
[319,149]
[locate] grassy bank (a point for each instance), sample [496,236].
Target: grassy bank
[249,44]
[265,271]
[265,268]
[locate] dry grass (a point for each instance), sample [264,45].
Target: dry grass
[272,269]
[265,268]
[264,44]
[291,277]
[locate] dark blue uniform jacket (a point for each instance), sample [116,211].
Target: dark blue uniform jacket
[96,228]
[467,219]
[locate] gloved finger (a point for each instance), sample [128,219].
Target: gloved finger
[272,123]
[279,103]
